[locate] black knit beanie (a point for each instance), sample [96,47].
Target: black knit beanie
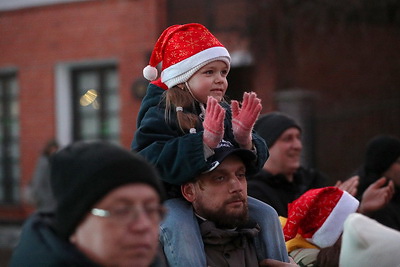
[382,151]
[271,125]
[84,172]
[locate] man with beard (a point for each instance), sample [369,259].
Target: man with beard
[218,197]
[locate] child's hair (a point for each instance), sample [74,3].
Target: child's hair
[181,98]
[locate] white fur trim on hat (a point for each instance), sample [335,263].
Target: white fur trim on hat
[183,70]
[332,228]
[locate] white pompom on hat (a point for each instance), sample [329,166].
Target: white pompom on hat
[183,50]
[318,215]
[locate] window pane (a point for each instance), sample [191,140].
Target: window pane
[14,109]
[14,128]
[112,102]
[111,79]
[14,149]
[90,127]
[113,105]
[9,136]
[14,88]
[87,80]
[16,170]
[114,125]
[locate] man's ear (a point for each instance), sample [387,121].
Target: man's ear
[188,192]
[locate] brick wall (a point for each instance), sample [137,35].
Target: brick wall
[34,40]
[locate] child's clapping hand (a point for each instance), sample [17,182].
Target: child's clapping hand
[213,123]
[244,118]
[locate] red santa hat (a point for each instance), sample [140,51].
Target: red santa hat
[318,215]
[183,50]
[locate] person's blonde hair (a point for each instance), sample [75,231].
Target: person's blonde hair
[182,97]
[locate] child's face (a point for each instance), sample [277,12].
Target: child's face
[210,80]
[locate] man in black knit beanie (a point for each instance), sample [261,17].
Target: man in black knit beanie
[282,179]
[109,206]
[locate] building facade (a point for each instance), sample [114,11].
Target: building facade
[69,70]
[72,69]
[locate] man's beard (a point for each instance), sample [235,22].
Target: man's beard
[224,219]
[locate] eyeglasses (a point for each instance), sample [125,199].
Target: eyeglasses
[131,213]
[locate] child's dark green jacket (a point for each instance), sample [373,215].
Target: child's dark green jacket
[179,156]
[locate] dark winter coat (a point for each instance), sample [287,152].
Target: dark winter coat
[390,214]
[230,248]
[178,156]
[39,246]
[276,191]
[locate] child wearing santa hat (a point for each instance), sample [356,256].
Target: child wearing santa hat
[314,225]
[184,116]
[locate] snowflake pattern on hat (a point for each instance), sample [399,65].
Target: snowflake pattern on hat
[182,50]
[318,215]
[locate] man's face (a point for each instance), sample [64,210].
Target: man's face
[221,195]
[285,153]
[121,240]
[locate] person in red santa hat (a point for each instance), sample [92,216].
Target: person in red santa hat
[315,221]
[183,117]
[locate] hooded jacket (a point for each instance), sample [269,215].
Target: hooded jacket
[390,214]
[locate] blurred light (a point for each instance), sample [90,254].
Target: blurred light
[89,98]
